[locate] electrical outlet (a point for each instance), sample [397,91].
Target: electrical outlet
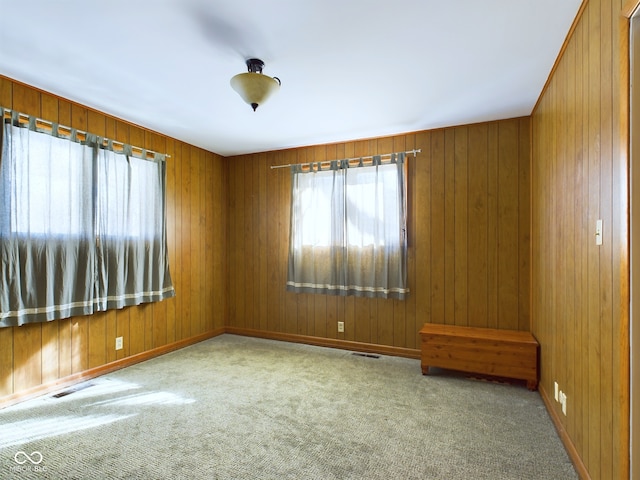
[119,343]
[555,391]
[340,327]
[562,398]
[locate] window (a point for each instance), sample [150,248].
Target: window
[51,203]
[127,188]
[82,228]
[348,229]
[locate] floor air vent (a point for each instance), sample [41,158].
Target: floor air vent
[368,355]
[69,391]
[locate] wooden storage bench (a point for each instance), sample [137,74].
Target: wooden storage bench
[500,353]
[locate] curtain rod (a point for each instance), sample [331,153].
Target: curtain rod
[408,152]
[8,112]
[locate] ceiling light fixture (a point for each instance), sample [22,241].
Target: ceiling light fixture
[253,86]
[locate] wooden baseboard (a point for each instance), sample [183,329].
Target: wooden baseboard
[328,342]
[564,436]
[104,369]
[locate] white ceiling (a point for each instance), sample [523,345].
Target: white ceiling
[350,69]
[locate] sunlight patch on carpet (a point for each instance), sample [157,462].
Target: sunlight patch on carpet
[151,398]
[25,431]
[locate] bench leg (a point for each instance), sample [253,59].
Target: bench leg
[532,385]
[425,369]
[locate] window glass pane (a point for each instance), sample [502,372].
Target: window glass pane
[56,199]
[315,207]
[130,199]
[370,203]
[372,209]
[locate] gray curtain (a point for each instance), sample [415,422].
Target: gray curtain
[132,250]
[348,229]
[82,228]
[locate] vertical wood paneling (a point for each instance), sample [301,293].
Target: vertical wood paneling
[207,243]
[252,249]
[236,212]
[186,257]
[203,232]
[171,236]
[524,225]
[508,137]
[197,218]
[594,353]
[580,225]
[158,335]
[579,289]
[64,348]
[274,286]
[27,356]
[492,225]
[461,226]
[478,228]
[262,222]
[26,100]
[449,215]
[421,236]
[180,241]
[6,361]
[468,220]
[195,171]
[6,92]
[6,334]
[436,231]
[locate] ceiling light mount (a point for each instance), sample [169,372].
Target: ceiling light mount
[255,65]
[254,87]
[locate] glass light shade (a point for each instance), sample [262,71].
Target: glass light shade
[254,88]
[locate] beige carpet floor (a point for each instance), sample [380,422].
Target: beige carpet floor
[243,408]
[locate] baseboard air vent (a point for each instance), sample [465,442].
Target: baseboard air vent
[368,355]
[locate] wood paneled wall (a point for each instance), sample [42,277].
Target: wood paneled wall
[580,290]
[469,252]
[197,181]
